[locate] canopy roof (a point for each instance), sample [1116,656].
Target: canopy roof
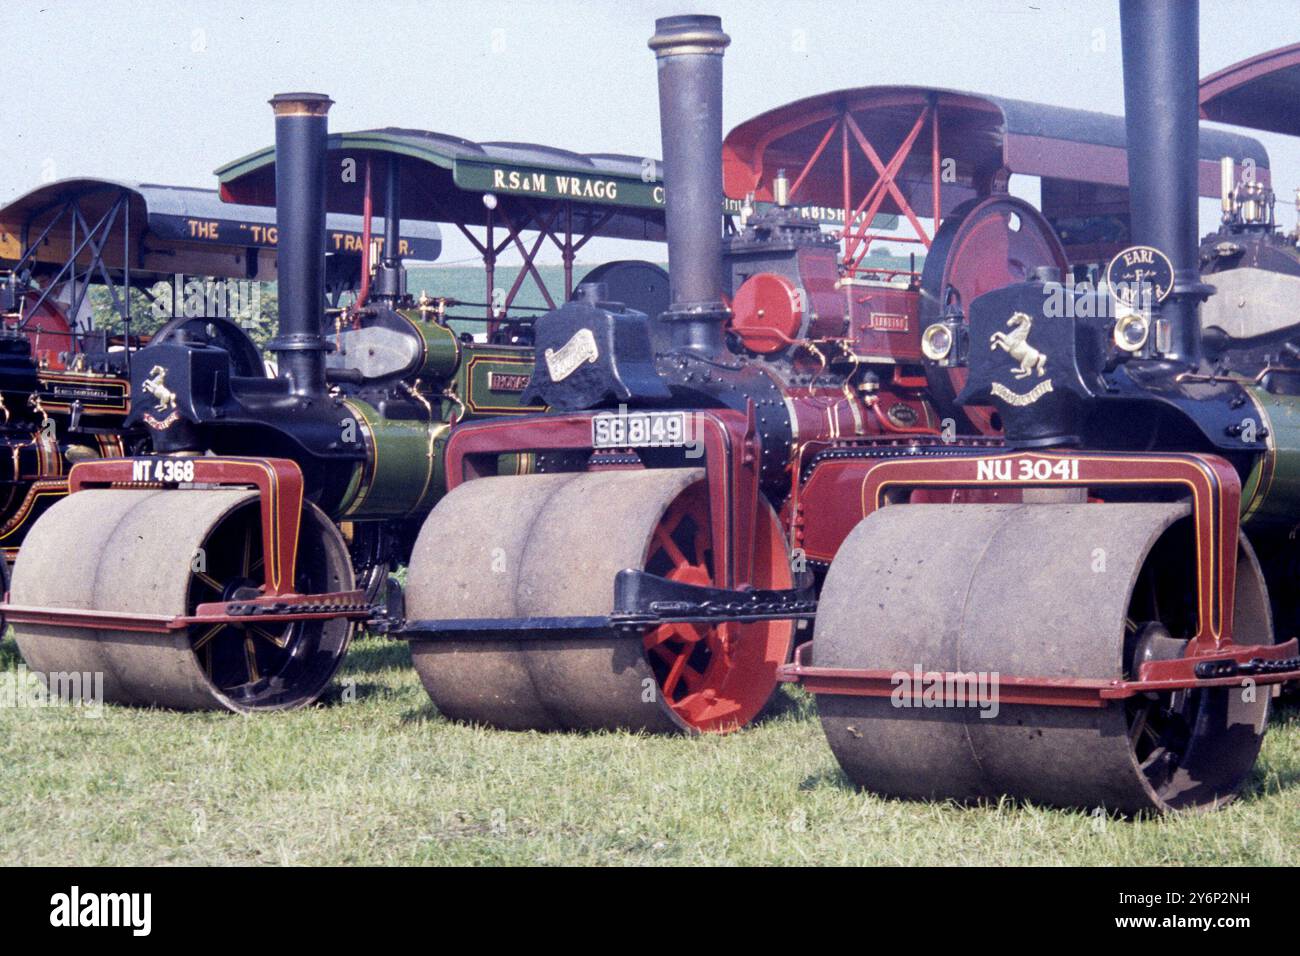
[981,137]
[170,229]
[444,179]
[1262,92]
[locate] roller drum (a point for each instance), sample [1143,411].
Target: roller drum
[148,552]
[551,545]
[1046,590]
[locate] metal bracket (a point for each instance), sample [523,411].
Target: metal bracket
[1263,664]
[648,600]
[641,601]
[282,609]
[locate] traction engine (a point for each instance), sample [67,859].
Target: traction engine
[671,464]
[229,568]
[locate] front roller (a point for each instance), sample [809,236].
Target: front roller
[154,552]
[1054,590]
[550,546]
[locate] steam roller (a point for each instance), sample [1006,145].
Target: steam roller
[226,564]
[542,547]
[1066,591]
[557,600]
[160,554]
[1107,550]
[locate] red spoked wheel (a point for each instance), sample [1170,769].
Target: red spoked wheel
[719,677]
[568,536]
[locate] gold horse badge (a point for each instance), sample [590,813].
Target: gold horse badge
[1015,344]
[156,385]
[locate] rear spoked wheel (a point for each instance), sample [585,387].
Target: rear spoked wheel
[265,663]
[713,677]
[1194,748]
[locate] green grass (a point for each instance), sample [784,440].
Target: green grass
[385,780]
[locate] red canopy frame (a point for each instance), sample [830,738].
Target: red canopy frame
[921,151]
[857,234]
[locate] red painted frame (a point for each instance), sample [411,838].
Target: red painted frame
[545,225]
[278,481]
[730,460]
[279,484]
[350,604]
[1156,677]
[1215,491]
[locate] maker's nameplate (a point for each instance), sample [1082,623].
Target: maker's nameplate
[507,381]
[564,361]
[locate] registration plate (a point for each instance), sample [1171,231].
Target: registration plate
[175,470]
[639,430]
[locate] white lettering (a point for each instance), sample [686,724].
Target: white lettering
[133,910]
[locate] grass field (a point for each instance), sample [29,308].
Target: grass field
[382,779]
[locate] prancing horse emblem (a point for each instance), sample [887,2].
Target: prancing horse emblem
[156,385]
[1018,348]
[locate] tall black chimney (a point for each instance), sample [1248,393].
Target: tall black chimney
[689,51]
[390,277]
[301,127]
[392,211]
[1161,76]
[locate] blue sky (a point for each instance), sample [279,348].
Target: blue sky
[166,91]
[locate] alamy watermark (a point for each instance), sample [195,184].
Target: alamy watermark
[239,300]
[133,911]
[21,687]
[1077,300]
[922,688]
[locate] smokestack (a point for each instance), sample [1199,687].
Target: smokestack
[689,50]
[390,277]
[301,127]
[392,211]
[1160,45]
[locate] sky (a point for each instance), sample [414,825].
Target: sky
[167,91]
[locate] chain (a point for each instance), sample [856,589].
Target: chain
[244,609]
